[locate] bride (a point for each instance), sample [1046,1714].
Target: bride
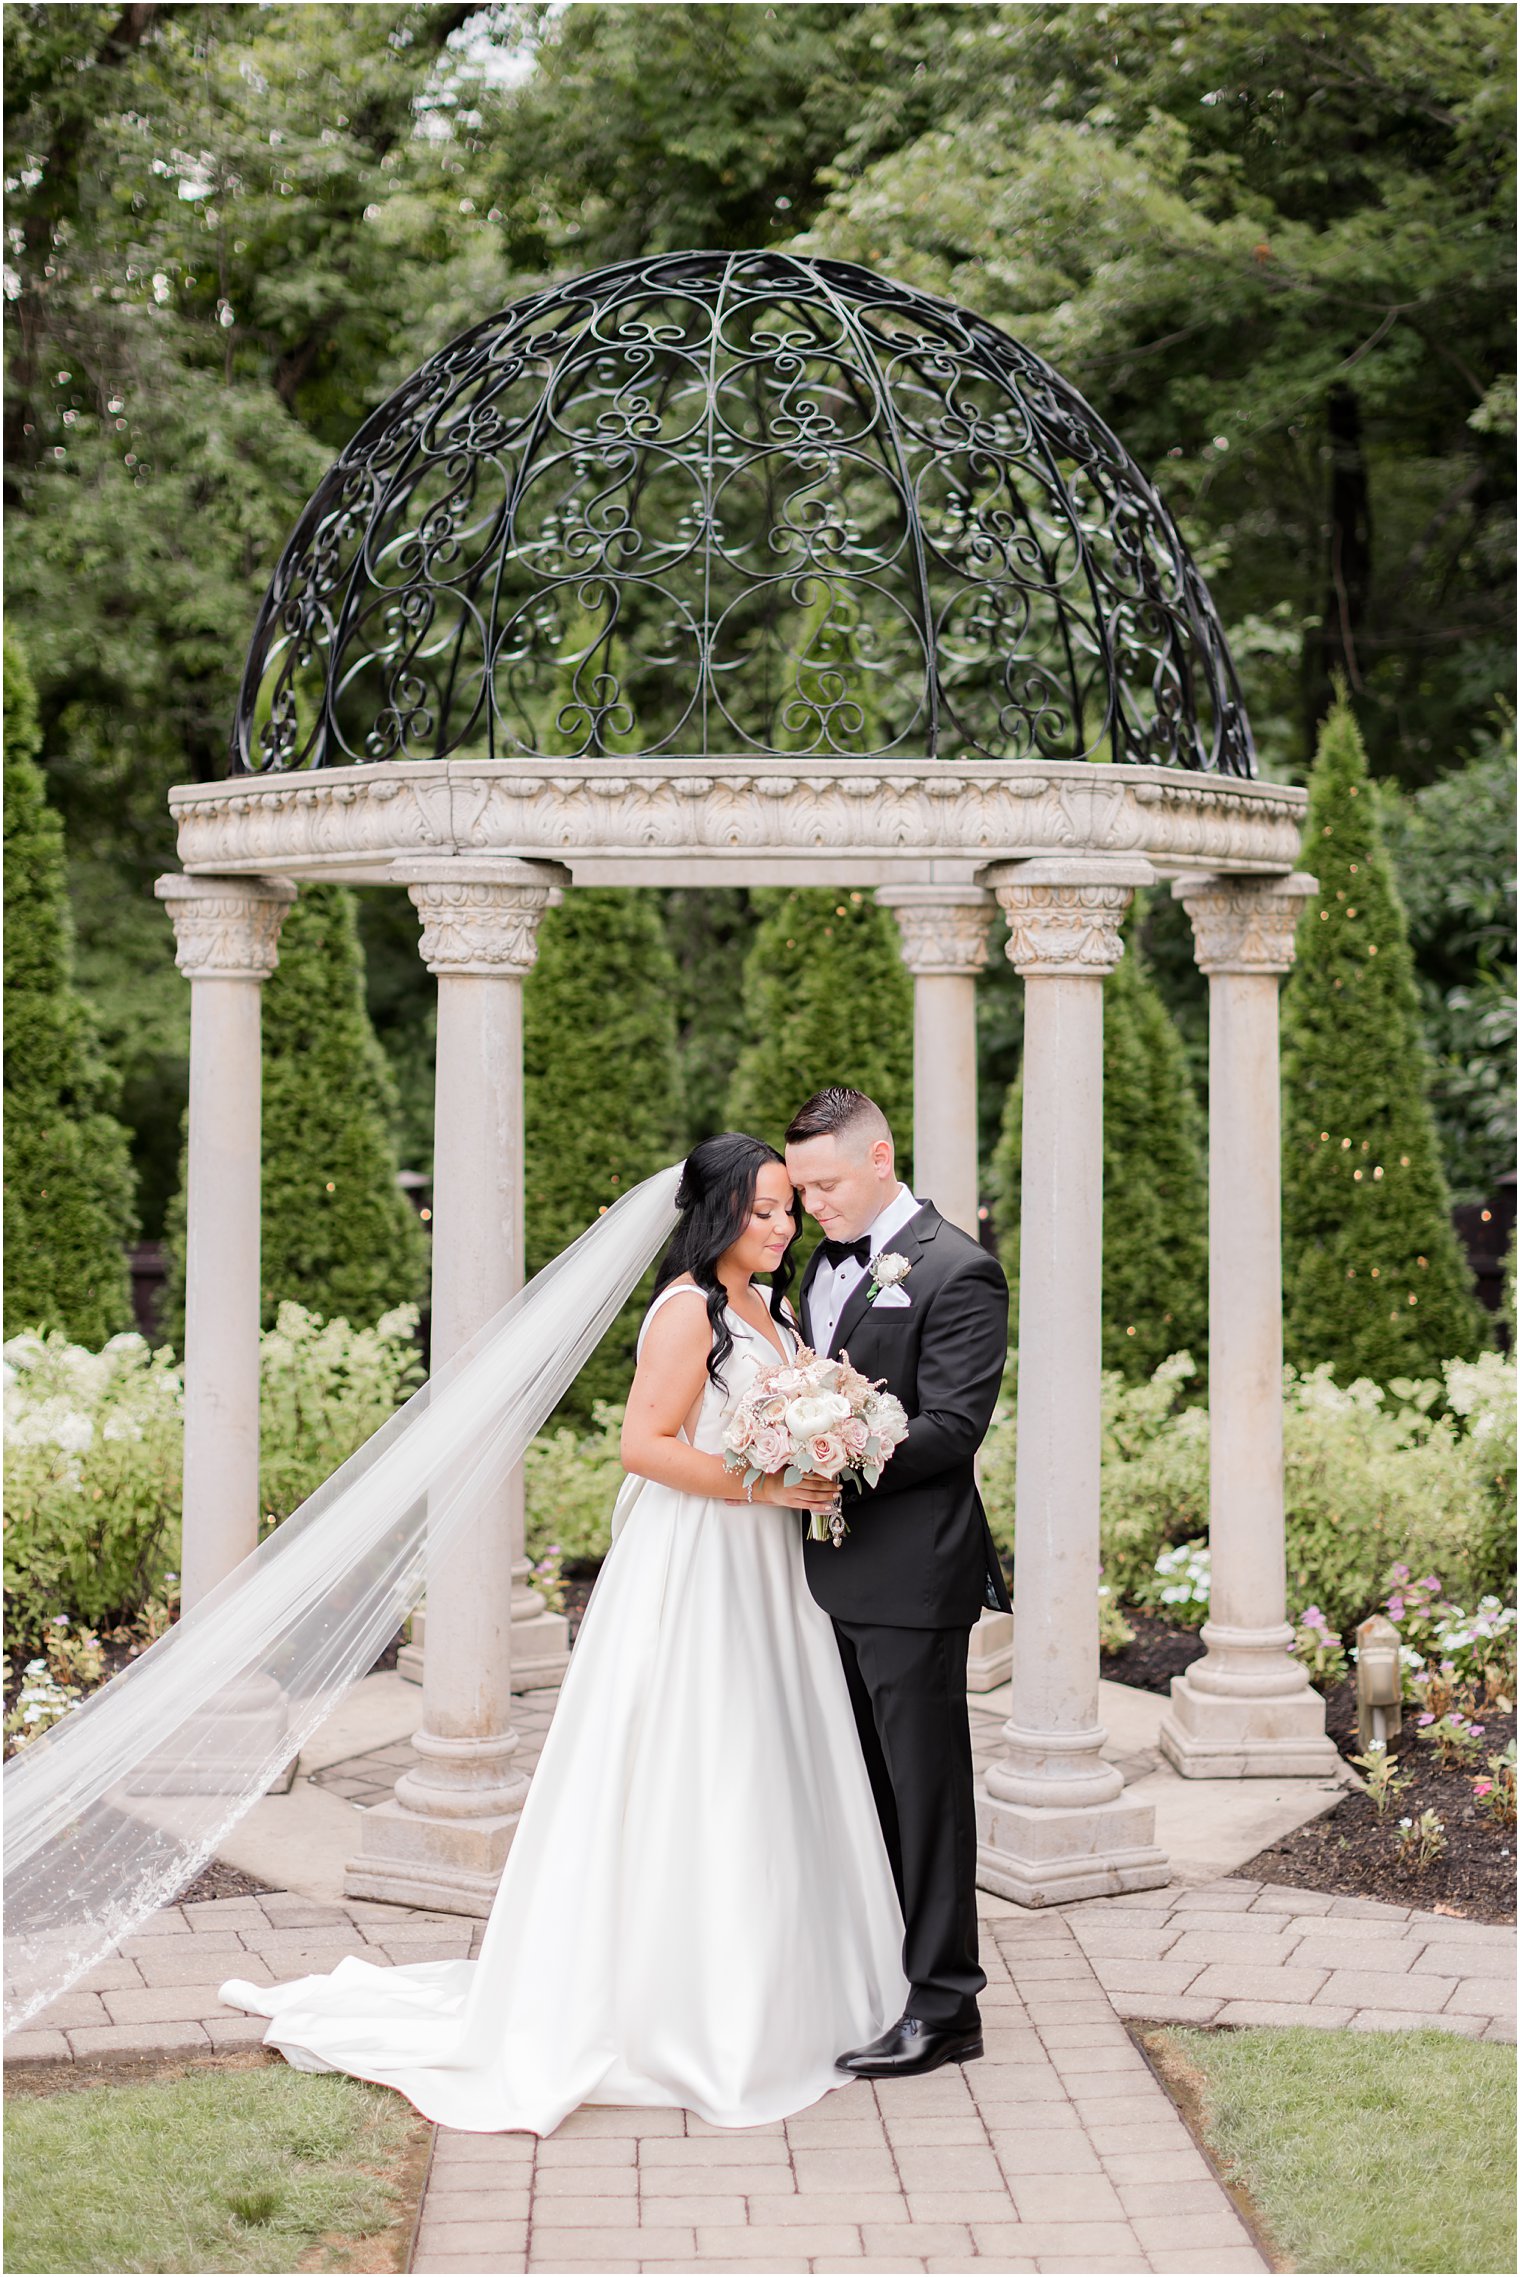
[698,1908]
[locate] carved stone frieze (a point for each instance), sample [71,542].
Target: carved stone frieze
[944,928]
[1245,924]
[715,820]
[226,928]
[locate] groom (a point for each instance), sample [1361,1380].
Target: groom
[918,1303]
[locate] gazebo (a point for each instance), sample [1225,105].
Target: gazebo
[751,568]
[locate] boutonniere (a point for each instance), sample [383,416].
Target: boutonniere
[887,1272]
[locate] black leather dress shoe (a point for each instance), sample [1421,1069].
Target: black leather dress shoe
[912,2046]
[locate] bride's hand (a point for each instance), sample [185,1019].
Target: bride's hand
[810,1493]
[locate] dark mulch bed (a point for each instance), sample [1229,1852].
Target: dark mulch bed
[1351,1851]
[1160,1651]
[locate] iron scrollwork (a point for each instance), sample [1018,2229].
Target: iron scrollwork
[716,504]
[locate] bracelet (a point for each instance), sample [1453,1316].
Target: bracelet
[749,1490]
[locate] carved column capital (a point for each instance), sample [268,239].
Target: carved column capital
[481,916]
[944,928]
[1243,924]
[225,928]
[1064,916]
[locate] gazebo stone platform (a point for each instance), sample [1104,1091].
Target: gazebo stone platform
[746,569]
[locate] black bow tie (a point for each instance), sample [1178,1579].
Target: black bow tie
[835,1252]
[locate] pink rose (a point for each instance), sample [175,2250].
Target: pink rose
[771,1448]
[826,1454]
[741,1431]
[854,1437]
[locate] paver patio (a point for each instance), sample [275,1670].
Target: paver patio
[1059,2151]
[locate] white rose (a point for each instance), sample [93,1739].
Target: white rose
[807,1416]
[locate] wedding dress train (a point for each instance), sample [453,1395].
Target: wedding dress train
[697,1909]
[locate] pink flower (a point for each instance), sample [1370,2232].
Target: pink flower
[771,1448]
[826,1453]
[1431,1582]
[1400,1572]
[1483,1786]
[1396,1608]
[1427,1718]
[854,1437]
[741,1431]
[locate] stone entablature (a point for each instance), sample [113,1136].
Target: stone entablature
[758,821]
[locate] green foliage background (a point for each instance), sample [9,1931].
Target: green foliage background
[604,1103]
[1374,1279]
[1272,244]
[68,1180]
[337,1234]
[827,999]
[1155,1179]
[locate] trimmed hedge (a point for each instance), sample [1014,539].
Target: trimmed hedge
[1155,1182]
[69,1186]
[827,999]
[604,1097]
[1374,1279]
[338,1235]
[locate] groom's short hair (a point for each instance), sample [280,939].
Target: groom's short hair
[838,1112]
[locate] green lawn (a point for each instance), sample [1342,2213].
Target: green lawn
[1385,2151]
[211,2170]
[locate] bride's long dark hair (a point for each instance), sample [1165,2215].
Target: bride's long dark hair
[715,1198]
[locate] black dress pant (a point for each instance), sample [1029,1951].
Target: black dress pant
[908,1689]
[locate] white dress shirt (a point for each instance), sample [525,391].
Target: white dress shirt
[834,1285]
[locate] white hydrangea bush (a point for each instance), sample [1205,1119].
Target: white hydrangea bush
[95,1446]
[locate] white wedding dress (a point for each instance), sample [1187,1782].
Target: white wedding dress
[697,1909]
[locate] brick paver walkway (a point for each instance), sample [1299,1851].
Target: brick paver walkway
[1059,2151]
[1239,1952]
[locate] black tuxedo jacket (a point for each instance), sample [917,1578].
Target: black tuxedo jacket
[919,1554]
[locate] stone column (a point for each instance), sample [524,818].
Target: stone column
[443,1838]
[944,946]
[1246,1709]
[226,934]
[1054,1823]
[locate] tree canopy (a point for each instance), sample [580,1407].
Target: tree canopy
[1273,245]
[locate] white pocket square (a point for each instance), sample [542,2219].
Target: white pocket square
[891,1297]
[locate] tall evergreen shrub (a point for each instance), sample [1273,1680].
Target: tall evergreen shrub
[1374,1279]
[827,999]
[604,1100]
[338,1235]
[1155,1180]
[69,1188]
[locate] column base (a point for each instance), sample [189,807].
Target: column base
[1050,1855]
[1214,1735]
[540,1648]
[989,1662]
[446,1865]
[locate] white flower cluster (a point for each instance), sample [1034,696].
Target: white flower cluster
[1183,1575]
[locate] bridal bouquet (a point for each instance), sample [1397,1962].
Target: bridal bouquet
[814,1415]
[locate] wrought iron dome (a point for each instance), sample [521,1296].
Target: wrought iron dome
[737,505]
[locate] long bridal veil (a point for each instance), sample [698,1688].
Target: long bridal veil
[111,1812]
